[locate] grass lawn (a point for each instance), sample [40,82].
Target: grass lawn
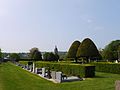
[15,78]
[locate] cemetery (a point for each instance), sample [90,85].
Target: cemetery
[82,68]
[17,77]
[46,73]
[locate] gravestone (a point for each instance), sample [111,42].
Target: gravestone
[117,85]
[53,74]
[116,61]
[59,77]
[36,70]
[28,68]
[43,72]
[33,68]
[48,73]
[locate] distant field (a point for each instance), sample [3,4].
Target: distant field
[15,78]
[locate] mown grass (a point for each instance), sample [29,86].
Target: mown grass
[15,78]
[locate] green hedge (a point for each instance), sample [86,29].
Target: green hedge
[70,69]
[107,67]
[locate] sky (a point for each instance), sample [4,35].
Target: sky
[25,24]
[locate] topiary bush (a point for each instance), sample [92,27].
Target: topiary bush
[88,50]
[73,50]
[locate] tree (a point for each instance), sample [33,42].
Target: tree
[14,57]
[0,53]
[50,57]
[88,50]
[111,51]
[73,50]
[35,54]
[32,51]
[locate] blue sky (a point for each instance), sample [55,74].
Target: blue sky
[45,23]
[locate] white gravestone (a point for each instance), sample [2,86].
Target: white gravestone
[33,68]
[59,77]
[43,72]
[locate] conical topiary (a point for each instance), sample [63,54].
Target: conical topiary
[87,49]
[73,50]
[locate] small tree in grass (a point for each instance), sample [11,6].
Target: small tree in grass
[73,50]
[87,49]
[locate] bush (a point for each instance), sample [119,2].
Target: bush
[70,69]
[107,67]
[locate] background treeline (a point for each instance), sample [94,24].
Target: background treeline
[84,52]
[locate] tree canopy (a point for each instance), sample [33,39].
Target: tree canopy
[14,57]
[49,56]
[112,50]
[0,53]
[35,54]
[87,49]
[73,50]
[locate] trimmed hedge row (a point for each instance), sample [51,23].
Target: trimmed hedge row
[70,69]
[107,67]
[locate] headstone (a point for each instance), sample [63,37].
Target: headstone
[36,70]
[48,73]
[117,85]
[39,70]
[27,67]
[53,74]
[59,77]
[116,61]
[33,68]
[43,72]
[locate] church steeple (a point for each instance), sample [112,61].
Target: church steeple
[56,50]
